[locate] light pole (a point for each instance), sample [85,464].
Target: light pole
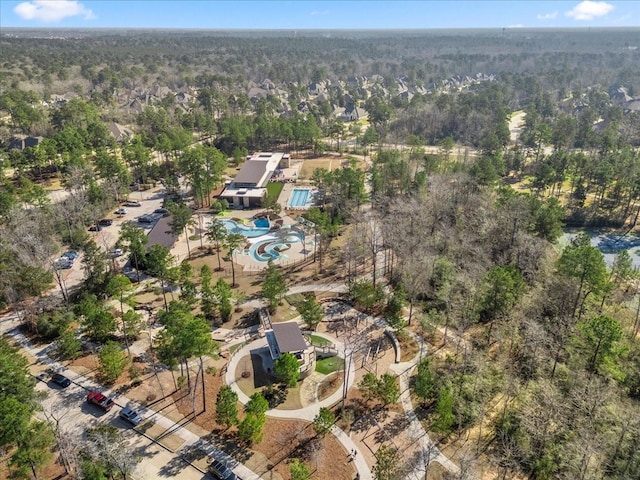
[315,241]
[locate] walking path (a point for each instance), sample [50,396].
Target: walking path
[430,451]
[306,413]
[403,370]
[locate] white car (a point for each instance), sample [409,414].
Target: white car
[130,415]
[116,252]
[121,211]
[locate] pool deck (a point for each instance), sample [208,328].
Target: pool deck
[297,251]
[295,254]
[286,193]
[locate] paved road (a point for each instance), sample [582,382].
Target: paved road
[75,415]
[69,407]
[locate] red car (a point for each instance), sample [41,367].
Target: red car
[100,400]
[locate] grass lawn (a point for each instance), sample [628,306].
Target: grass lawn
[274,189]
[318,340]
[285,312]
[329,365]
[295,299]
[306,171]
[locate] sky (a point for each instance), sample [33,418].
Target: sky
[310,14]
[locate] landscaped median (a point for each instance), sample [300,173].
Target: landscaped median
[162,435]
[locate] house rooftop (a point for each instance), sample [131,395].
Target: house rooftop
[252,172]
[289,337]
[257,170]
[161,234]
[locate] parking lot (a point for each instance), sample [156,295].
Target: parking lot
[149,200]
[107,236]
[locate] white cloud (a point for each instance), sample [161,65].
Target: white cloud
[317,13]
[547,16]
[52,10]
[589,10]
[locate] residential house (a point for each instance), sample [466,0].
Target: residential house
[20,143]
[119,132]
[350,114]
[159,91]
[316,88]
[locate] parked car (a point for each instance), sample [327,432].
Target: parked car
[62,264]
[121,211]
[116,252]
[71,255]
[221,471]
[44,376]
[130,416]
[146,219]
[60,380]
[132,204]
[105,222]
[95,228]
[100,400]
[162,211]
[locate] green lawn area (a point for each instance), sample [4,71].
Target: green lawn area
[295,299]
[329,365]
[274,189]
[318,340]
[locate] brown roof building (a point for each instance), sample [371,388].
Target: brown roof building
[161,234]
[289,337]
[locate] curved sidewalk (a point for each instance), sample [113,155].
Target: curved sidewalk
[415,429]
[402,370]
[306,413]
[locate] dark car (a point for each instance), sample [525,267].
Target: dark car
[163,211]
[105,222]
[130,415]
[221,471]
[60,380]
[71,255]
[63,264]
[146,219]
[95,228]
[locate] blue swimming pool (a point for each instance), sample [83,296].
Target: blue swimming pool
[299,197]
[250,231]
[261,222]
[273,248]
